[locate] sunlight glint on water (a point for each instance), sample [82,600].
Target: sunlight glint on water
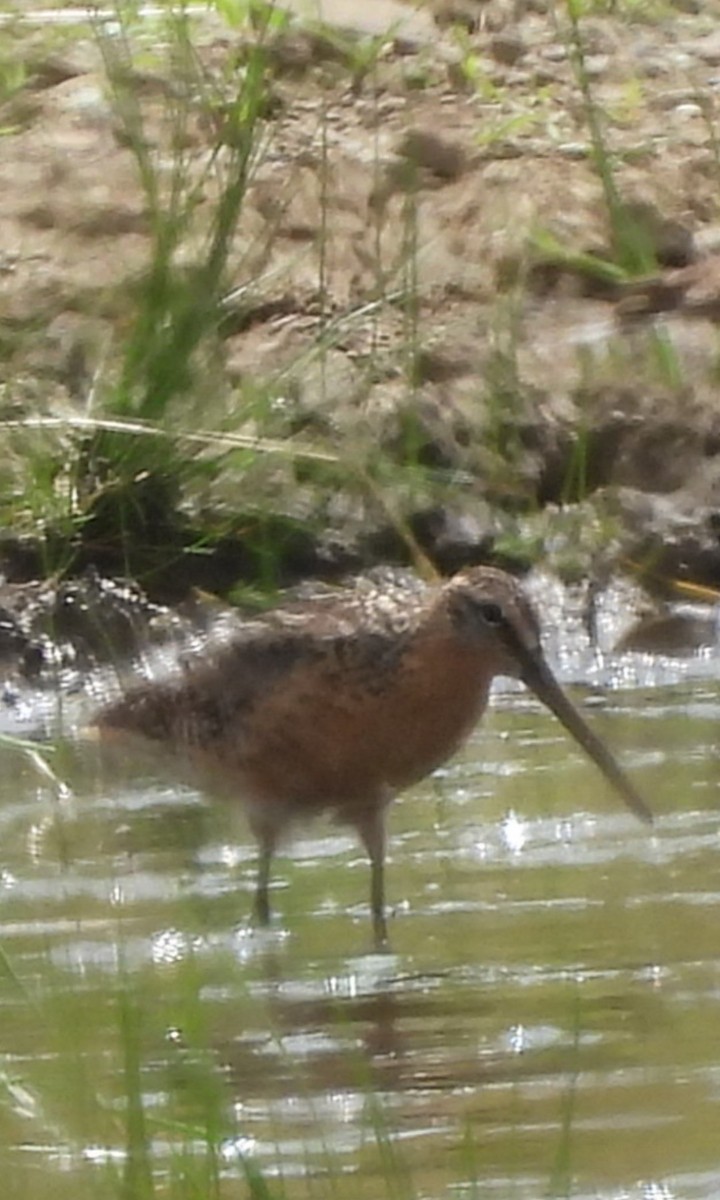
[549,1011]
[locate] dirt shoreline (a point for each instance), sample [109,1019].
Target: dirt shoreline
[522,406]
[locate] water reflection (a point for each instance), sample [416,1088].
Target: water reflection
[552,992]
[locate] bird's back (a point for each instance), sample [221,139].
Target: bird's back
[329,702]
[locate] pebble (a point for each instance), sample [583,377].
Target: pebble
[707,49]
[574,150]
[507,48]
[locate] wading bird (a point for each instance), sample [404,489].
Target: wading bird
[336,703]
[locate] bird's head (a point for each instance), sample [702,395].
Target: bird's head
[490,609]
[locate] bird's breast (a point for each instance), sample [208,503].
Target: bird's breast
[337,735]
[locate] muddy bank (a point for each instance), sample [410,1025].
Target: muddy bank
[418,301]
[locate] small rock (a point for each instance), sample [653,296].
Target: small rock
[674,98]
[464,13]
[441,363]
[437,154]
[707,49]
[507,48]
[542,76]
[54,69]
[653,66]
[575,151]
[596,65]
[707,240]
[555,53]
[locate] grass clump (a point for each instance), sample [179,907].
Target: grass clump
[139,479]
[631,245]
[121,481]
[136,483]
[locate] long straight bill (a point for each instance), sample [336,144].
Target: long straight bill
[540,679]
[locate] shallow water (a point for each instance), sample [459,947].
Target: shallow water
[546,1023]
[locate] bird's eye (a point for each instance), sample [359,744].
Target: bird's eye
[491,613]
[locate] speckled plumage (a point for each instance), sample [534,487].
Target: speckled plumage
[340,699]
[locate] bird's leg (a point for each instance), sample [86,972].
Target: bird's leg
[371,828]
[266,839]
